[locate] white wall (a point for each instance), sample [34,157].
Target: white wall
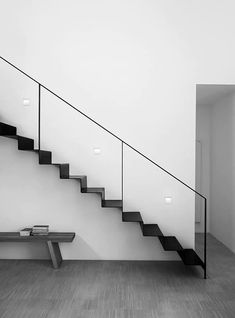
[222,223]
[133,66]
[203,134]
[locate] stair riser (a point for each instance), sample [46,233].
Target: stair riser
[64,172]
[7,130]
[141,226]
[45,158]
[25,144]
[83,183]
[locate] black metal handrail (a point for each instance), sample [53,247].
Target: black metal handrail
[40,85]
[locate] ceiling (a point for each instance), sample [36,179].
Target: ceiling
[209,94]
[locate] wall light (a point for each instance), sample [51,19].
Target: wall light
[97,151]
[168,200]
[26,102]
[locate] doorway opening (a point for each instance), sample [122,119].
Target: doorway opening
[215,160]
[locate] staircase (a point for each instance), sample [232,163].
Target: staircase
[169,243]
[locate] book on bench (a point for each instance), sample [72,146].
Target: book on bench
[40,230]
[35,230]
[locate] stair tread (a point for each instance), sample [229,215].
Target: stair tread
[17,137]
[131,217]
[77,177]
[151,230]
[190,257]
[44,151]
[112,203]
[4,124]
[93,190]
[170,243]
[23,137]
[10,136]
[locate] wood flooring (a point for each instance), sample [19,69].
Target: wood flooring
[119,289]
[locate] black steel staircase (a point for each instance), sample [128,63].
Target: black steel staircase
[169,243]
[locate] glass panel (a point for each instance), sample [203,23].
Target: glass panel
[17,90]
[160,198]
[74,139]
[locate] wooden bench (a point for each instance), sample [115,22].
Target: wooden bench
[52,239]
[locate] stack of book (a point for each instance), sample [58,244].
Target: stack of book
[26,232]
[40,230]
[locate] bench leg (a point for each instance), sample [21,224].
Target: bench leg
[55,253]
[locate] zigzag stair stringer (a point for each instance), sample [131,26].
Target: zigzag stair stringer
[169,243]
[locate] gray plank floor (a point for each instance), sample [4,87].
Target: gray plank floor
[119,289]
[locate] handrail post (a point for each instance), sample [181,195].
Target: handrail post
[122,177]
[39,117]
[205,239]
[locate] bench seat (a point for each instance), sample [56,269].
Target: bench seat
[52,239]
